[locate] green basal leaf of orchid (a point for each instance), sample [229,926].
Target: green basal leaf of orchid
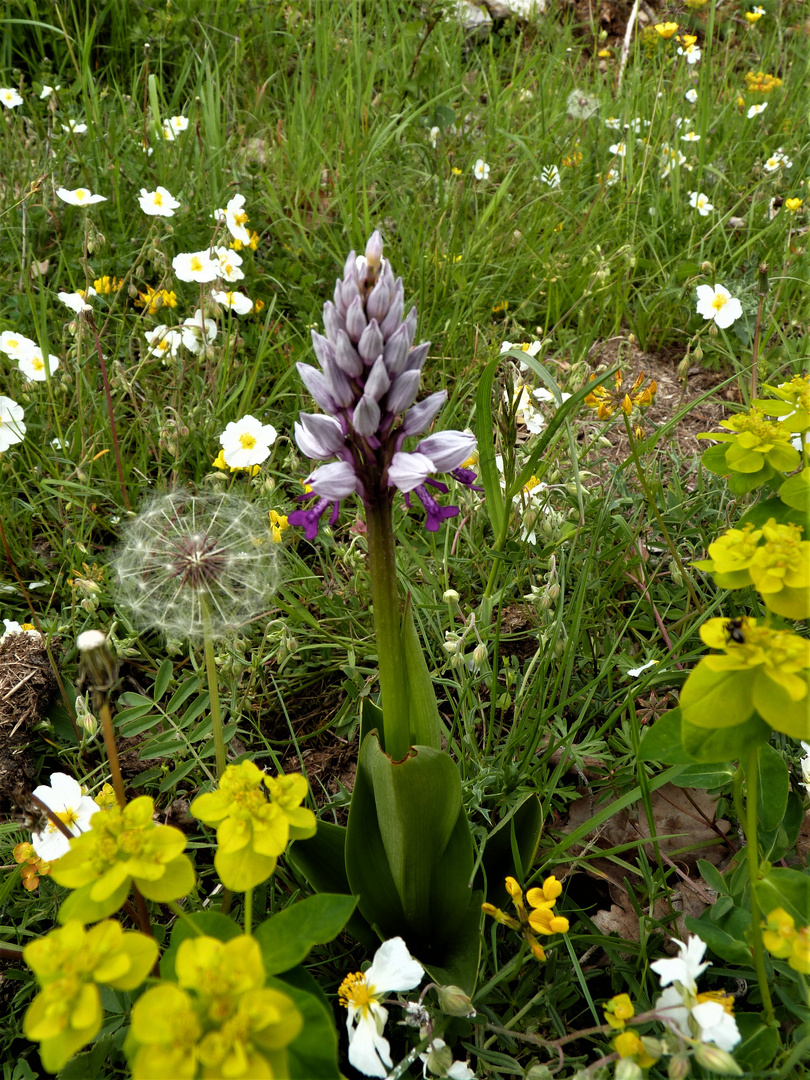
[408,850]
[511,846]
[773,786]
[740,459]
[210,923]
[724,744]
[796,492]
[784,458]
[714,458]
[371,719]
[789,603]
[784,888]
[79,905]
[424,719]
[484,433]
[662,742]
[459,965]
[776,707]
[287,937]
[717,699]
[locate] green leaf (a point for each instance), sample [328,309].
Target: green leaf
[761,512]
[760,1044]
[90,1063]
[210,923]
[313,1054]
[779,709]
[714,459]
[162,679]
[724,744]
[788,889]
[706,776]
[484,434]
[371,719]
[662,742]
[182,693]
[287,937]
[176,775]
[409,852]
[425,722]
[720,942]
[773,786]
[519,828]
[712,876]
[796,492]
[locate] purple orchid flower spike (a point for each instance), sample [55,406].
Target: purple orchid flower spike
[367,385]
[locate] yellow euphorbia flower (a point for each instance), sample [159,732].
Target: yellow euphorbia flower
[756,669]
[122,846]
[256,816]
[70,963]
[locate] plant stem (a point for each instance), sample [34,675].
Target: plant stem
[393,684]
[213,689]
[108,396]
[642,479]
[752,849]
[112,753]
[248,912]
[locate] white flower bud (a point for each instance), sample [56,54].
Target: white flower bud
[716,1060]
[451,596]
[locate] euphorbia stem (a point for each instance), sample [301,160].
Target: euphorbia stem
[752,849]
[213,690]
[393,684]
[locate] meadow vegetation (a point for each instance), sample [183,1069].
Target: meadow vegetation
[255,549]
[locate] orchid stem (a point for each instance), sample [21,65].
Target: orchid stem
[393,685]
[752,849]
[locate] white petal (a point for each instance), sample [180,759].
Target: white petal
[393,967]
[369,1051]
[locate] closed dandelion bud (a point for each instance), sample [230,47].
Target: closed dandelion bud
[627,1069]
[716,1060]
[454,1002]
[679,1067]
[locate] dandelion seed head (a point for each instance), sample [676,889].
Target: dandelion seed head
[190,556]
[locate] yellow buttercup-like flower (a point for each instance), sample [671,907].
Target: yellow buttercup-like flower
[666,30]
[619,1010]
[540,920]
[784,940]
[629,1045]
[793,205]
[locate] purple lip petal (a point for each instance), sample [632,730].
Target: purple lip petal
[443,488]
[435,514]
[309,519]
[465,477]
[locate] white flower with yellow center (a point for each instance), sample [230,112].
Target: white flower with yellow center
[236,301]
[174,126]
[195,266]
[198,332]
[10,98]
[718,305]
[247,442]
[79,196]
[74,127]
[76,301]
[709,1016]
[392,969]
[15,345]
[33,365]
[228,265]
[64,797]
[163,342]
[158,203]
[700,202]
[235,218]
[481,170]
[12,428]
